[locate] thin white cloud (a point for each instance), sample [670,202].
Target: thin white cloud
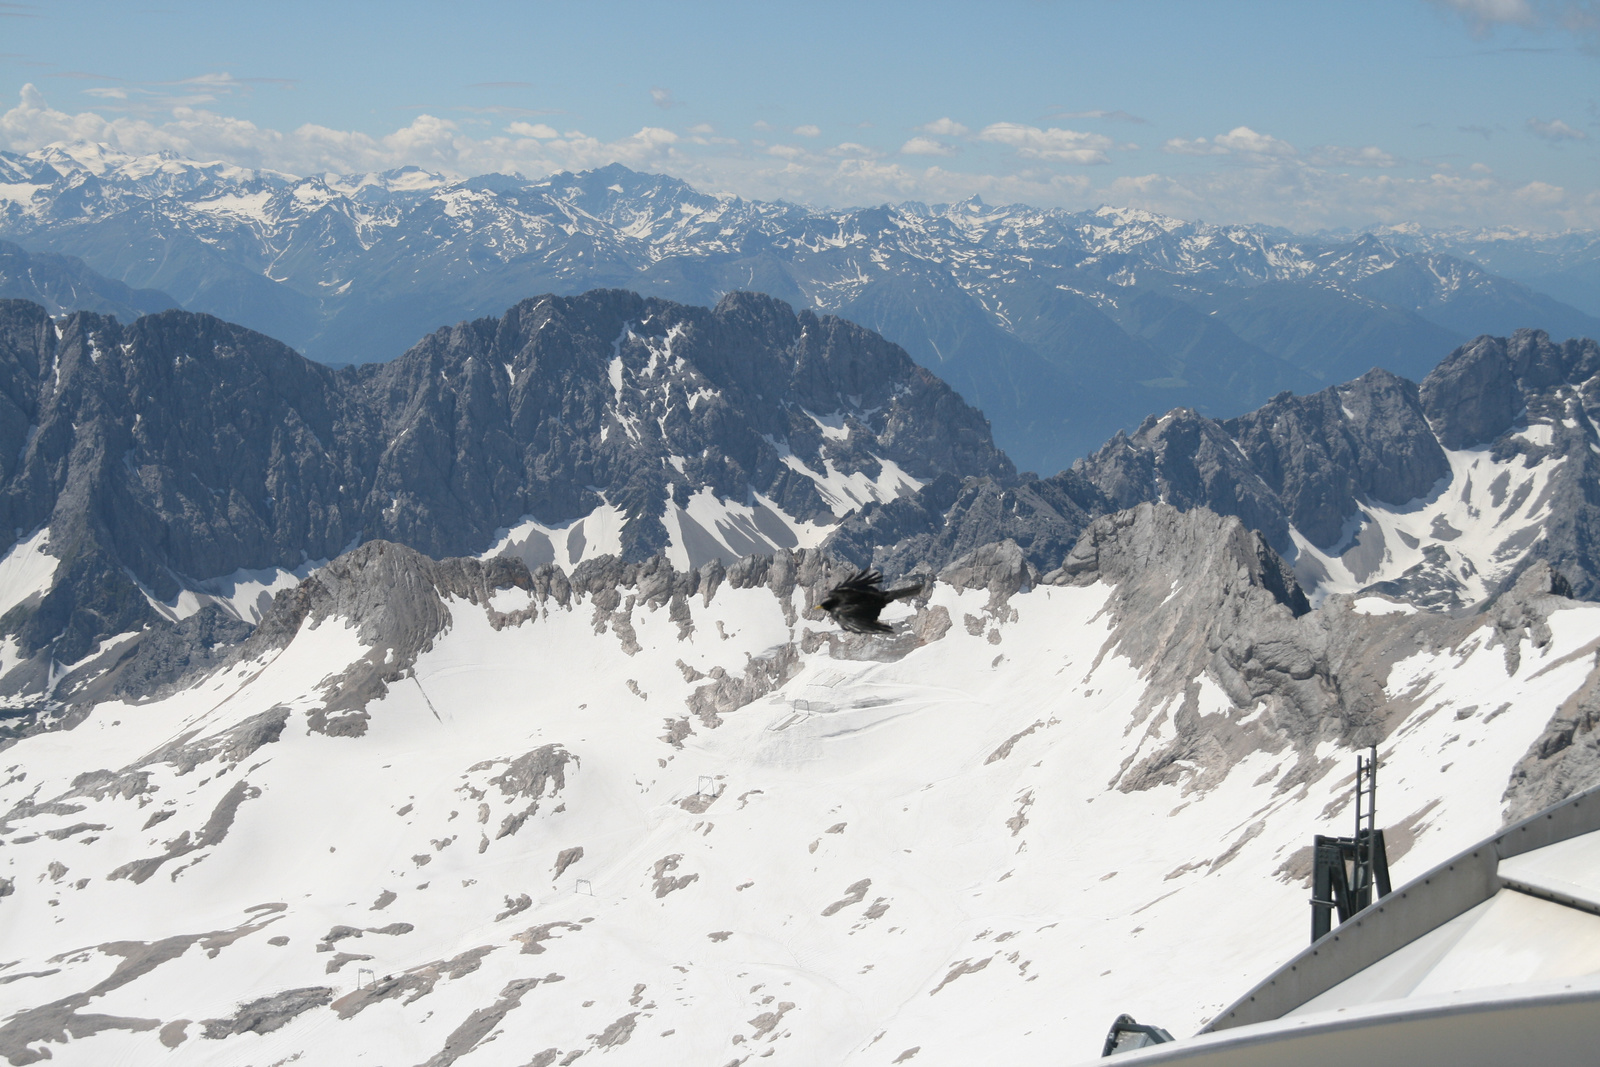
[1556,131]
[1489,12]
[1056,145]
[1580,18]
[1329,155]
[1100,113]
[1542,194]
[1244,140]
[1199,146]
[1292,194]
[927,146]
[1241,140]
[537,130]
[945,127]
[489,109]
[152,97]
[663,98]
[807,130]
[428,141]
[853,150]
[703,133]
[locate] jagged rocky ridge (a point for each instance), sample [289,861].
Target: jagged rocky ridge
[483,728]
[181,448]
[1441,493]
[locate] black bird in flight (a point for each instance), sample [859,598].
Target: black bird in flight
[855,602]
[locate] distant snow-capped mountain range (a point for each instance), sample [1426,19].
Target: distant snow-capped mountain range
[1063,327]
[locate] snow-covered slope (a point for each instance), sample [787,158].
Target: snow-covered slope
[442,812]
[1454,546]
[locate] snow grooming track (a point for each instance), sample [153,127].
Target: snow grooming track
[981,838]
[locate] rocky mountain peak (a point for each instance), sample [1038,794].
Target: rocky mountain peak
[1159,547]
[1479,390]
[644,404]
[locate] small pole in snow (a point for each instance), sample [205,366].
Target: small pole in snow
[582,886]
[372,979]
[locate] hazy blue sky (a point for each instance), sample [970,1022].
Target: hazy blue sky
[1303,113]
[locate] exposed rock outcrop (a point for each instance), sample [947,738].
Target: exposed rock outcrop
[1565,758]
[949,518]
[1197,595]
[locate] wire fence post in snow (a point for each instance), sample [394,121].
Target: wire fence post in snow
[582,886]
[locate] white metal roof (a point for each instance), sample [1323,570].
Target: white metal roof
[1493,957]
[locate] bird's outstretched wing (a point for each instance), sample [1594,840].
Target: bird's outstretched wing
[904,591]
[861,581]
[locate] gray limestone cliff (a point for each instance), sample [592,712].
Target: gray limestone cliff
[951,517]
[1199,596]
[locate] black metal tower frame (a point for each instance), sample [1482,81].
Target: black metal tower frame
[1346,870]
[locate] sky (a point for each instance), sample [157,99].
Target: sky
[1306,114]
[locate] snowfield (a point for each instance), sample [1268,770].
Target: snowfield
[713,836]
[1458,543]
